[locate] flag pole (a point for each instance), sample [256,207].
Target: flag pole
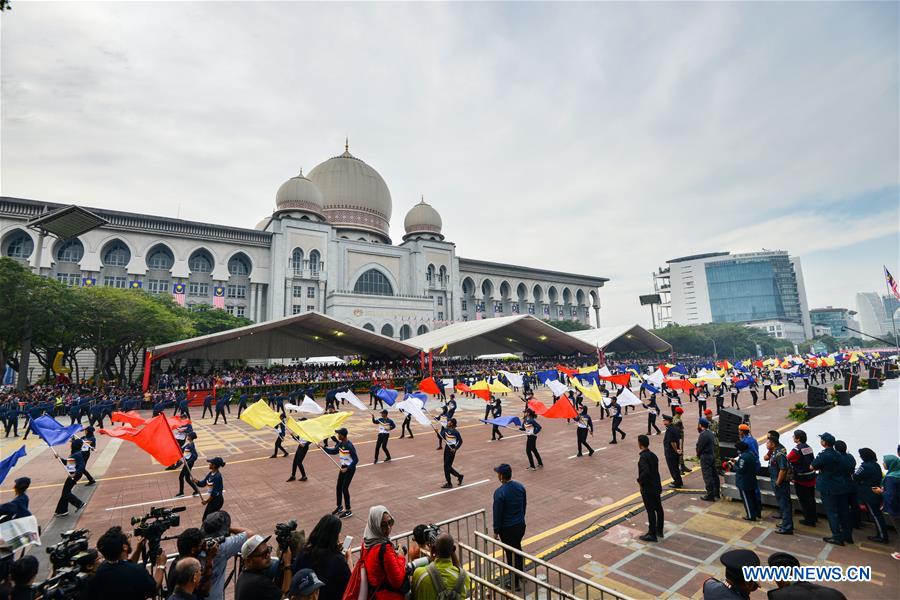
[893,322]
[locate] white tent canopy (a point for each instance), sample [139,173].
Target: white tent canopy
[623,338]
[517,333]
[299,336]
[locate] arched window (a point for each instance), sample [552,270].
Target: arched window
[373,283]
[429,274]
[314,259]
[200,262]
[20,246]
[116,255]
[387,330]
[405,332]
[297,262]
[421,330]
[160,259]
[239,265]
[442,274]
[369,327]
[70,252]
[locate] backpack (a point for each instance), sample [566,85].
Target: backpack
[443,592]
[358,584]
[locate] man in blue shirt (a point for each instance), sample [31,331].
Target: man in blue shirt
[510,501]
[18,506]
[747,438]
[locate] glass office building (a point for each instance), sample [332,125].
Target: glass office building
[753,288]
[835,319]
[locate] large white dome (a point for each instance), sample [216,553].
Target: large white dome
[355,195]
[423,220]
[301,194]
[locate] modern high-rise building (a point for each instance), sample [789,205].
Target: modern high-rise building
[834,320]
[762,289]
[875,312]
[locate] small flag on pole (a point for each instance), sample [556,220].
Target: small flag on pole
[891,283]
[178,292]
[219,296]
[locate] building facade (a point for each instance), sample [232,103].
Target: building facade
[753,288]
[835,320]
[877,314]
[326,247]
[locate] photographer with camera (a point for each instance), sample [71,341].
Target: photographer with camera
[120,576]
[256,581]
[217,527]
[324,554]
[192,545]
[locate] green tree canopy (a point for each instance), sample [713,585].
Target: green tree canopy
[732,340]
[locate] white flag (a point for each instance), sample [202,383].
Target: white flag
[556,387]
[19,533]
[350,397]
[514,379]
[626,398]
[656,378]
[414,409]
[308,405]
[604,370]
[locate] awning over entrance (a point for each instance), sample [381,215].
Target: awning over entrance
[517,333]
[623,338]
[298,336]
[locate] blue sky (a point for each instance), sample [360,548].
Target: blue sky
[597,138]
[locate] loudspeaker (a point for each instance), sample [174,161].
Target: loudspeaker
[729,420]
[843,397]
[727,450]
[817,396]
[815,411]
[850,381]
[874,383]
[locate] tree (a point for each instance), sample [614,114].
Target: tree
[567,325]
[206,319]
[724,339]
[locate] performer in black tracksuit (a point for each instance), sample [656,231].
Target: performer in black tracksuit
[89,444]
[531,428]
[299,455]
[406,426]
[385,426]
[451,435]
[496,411]
[189,452]
[242,404]
[672,451]
[652,412]
[279,441]
[616,419]
[584,425]
[347,461]
[207,406]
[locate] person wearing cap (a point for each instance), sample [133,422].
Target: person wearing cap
[833,491]
[745,468]
[89,443]
[798,590]
[745,436]
[672,451]
[584,424]
[779,469]
[18,506]
[214,500]
[735,587]
[385,426]
[255,581]
[849,467]
[75,468]
[218,525]
[706,453]
[804,478]
[651,489]
[510,503]
[305,585]
[347,461]
[443,574]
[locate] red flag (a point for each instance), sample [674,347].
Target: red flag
[148,367]
[429,386]
[664,369]
[537,406]
[561,409]
[757,363]
[679,384]
[567,370]
[155,438]
[461,387]
[620,379]
[176,422]
[131,417]
[483,394]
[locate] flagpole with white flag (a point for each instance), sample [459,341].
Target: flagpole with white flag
[888,278]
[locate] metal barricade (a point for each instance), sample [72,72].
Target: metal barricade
[463,529]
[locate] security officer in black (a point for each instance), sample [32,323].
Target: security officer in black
[584,425]
[672,451]
[385,426]
[834,491]
[706,453]
[735,586]
[279,441]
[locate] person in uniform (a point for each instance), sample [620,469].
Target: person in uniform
[242,404]
[652,412]
[214,500]
[798,590]
[616,412]
[746,437]
[706,453]
[735,587]
[584,425]
[496,412]
[651,489]
[672,451]
[406,425]
[12,419]
[442,419]
[189,454]
[347,461]
[281,430]
[89,443]
[866,477]
[18,506]
[207,406]
[299,456]
[531,428]
[833,491]
[779,467]
[804,477]
[385,426]
[75,469]
[746,465]
[220,409]
[451,435]
[451,406]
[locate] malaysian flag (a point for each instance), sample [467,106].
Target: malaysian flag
[88,281]
[219,296]
[135,284]
[891,283]
[178,292]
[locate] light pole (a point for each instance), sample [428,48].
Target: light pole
[715,351]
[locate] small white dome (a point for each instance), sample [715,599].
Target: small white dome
[423,219]
[301,194]
[262,224]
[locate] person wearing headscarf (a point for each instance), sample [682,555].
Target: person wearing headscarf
[868,476]
[890,489]
[385,566]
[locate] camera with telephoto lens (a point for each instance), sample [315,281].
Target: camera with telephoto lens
[426,534]
[70,581]
[283,532]
[73,542]
[153,525]
[209,542]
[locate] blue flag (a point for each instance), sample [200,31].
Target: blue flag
[52,432]
[588,378]
[545,376]
[504,421]
[743,383]
[650,387]
[9,462]
[9,376]
[679,368]
[418,395]
[387,395]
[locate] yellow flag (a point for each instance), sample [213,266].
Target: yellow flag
[775,388]
[443,349]
[259,415]
[499,388]
[591,393]
[588,369]
[318,429]
[480,385]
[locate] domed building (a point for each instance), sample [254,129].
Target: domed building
[325,247]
